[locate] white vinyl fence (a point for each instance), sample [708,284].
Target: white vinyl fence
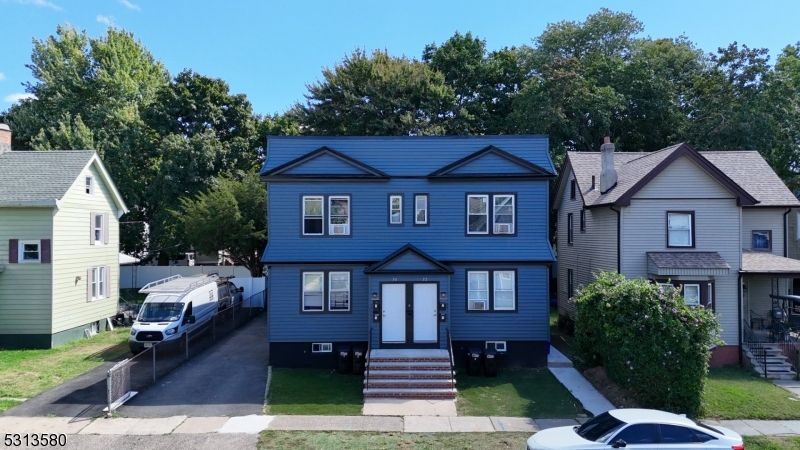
[137,276]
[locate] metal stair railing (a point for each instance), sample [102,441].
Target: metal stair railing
[756,347]
[783,338]
[452,360]
[369,352]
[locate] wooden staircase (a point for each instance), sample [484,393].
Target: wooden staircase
[778,367]
[409,374]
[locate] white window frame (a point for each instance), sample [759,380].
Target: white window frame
[331,225]
[699,293]
[690,229]
[417,209]
[89,185]
[99,280]
[513,205]
[99,239]
[320,292]
[321,217]
[21,251]
[513,290]
[499,346]
[471,301]
[331,291]
[485,197]
[321,347]
[393,210]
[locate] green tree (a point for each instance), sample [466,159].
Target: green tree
[375,95]
[231,216]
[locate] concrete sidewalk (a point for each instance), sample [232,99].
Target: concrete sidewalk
[592,400]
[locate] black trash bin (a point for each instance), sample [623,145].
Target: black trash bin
[343,361]
[474,362]
[358,360]
[490,362]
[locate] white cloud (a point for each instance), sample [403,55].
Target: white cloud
[17,97]
[43,3]
[130,5]
[2,76]
[106,20]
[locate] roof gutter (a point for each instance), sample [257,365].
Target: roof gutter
[31,204]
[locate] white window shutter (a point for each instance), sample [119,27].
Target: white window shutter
[91,228]
[108,282]
[89,285]
[105,228]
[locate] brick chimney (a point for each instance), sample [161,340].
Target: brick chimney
[5,138]
[608,175]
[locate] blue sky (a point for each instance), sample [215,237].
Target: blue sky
[269,50]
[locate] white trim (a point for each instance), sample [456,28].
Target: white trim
[99,280]
[322,347]
[321,215]
[500,346]
[89,185]
[473,302]
[510,226]
[417,209]
[95,159]
[331,291]
[698,294]
[485,197]
[392,209]
[21,251]
[321,291]
[689,229]
[101,239]
[338,229]
[513,290]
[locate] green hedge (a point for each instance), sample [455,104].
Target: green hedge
[648,340]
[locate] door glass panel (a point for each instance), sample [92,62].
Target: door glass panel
[674,434]
[636,434]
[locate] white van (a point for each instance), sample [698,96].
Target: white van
[173,307]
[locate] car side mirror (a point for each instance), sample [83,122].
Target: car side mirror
[189,319]
[241,289]
[619,444]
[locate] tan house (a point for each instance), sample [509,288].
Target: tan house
[711,223]
[59,245]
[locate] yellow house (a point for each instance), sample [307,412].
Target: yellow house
[59,245]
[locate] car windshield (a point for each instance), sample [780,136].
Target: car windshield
[160,312]
[600,428]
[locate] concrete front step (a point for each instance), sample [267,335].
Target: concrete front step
[408,365]
[409,384]
[446,394]
[410,374]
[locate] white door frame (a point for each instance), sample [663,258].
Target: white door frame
[426,315]
[393,320]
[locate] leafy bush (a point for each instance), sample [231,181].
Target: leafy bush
[648,340]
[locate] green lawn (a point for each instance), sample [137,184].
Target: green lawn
[8,404]
[360,440]
[771,443]
[737,393]
[515,393]
[25,373]
[314,392]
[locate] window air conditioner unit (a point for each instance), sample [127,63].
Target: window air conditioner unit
[502,228]
[479,306]
[338,229]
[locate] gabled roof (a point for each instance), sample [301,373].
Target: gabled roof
[744,173]
[510,166]
[42,178]
[420,262]
[352,168]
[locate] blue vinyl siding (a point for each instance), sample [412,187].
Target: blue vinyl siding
[288,324]
[326,164]
[409,261]
[490,163]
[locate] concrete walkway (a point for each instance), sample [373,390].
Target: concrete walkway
[592,400]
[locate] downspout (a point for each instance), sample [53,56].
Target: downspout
[786,233]
[619,240]
[739,292]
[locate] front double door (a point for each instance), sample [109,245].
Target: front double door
[409,314]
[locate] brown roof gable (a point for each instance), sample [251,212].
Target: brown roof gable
[743,173]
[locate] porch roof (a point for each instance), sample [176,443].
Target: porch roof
[757,262]
[686,263]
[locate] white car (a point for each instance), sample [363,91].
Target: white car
[637,429]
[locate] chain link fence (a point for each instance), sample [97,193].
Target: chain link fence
[135,374]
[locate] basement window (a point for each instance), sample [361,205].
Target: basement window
[322,348]
[500,346]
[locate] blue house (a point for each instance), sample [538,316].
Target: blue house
[408,243]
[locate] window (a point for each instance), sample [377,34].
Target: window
[313,288]
[339,295]
[322,347]
[421,209]
[583,220]
[569,229]
[98,282]
[99,232]
[395,209]
[572,189]
[500,346]
[680,229]
[491,290]
[30,251]
[643,433]
[503,214]
[762,240]
[89,185]
[691,294]
[478,214]
[339,220]
[478,288]
[503,290]
[674,434]
[312,215]
[570,284]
